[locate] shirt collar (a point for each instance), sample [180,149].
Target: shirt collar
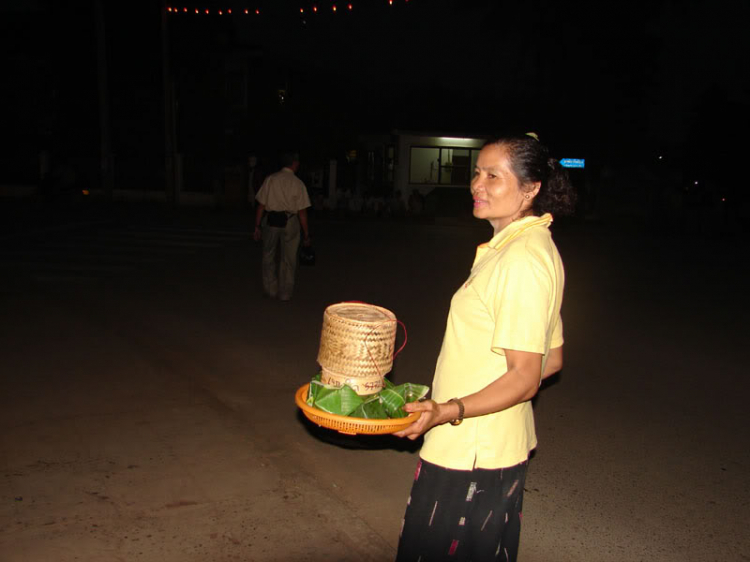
[516,228]
[512,231]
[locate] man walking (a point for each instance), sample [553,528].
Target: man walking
[281,212]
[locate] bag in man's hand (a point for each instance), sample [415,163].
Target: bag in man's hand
[306,255]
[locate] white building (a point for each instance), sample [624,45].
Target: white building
[408,160]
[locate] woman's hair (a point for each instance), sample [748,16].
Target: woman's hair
[531,163]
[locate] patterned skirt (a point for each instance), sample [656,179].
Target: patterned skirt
[462,515]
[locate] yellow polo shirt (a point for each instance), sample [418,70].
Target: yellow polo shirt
[511,300]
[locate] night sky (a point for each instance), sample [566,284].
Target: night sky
[609,80]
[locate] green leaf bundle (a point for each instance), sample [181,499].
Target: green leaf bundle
[344,401]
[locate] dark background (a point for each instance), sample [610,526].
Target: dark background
[617,83]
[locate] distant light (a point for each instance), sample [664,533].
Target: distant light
[333,7]
[350,6]
[696,183]
[390,2]
[247,11]
[169,9]
[456,139]
[221,13]
[184,10]
[723,199]
[229,11]
[197,11]
[661,157]
[301,10]
[315,8]
[208,11]
[257,12]
[85,191]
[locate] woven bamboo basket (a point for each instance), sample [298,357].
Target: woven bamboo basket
[356,346]
[347,425]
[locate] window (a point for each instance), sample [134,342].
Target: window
[454,166]
[442,166]
[425,165]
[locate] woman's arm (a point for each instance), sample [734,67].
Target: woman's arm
[519,384]
[554,362]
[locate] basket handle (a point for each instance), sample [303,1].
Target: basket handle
[406,338]
[400,349]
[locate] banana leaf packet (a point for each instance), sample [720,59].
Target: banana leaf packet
[343,401]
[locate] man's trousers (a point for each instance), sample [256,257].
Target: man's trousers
[278,274]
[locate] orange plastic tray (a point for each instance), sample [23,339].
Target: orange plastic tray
[348,425]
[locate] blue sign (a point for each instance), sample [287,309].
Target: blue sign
[573,162]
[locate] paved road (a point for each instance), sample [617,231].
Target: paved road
[147,411]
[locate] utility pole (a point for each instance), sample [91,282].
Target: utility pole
[105,138]
[170,156]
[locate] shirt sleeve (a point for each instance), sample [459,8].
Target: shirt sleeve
[520,305]
[557,334]
[302,201]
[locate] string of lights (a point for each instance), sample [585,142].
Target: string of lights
[308,8]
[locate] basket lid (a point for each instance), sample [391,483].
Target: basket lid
[361,313]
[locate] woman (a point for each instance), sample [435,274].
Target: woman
[503,336]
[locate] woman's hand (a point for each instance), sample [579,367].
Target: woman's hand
[432,414]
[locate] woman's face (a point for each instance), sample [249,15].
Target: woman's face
[497,194]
